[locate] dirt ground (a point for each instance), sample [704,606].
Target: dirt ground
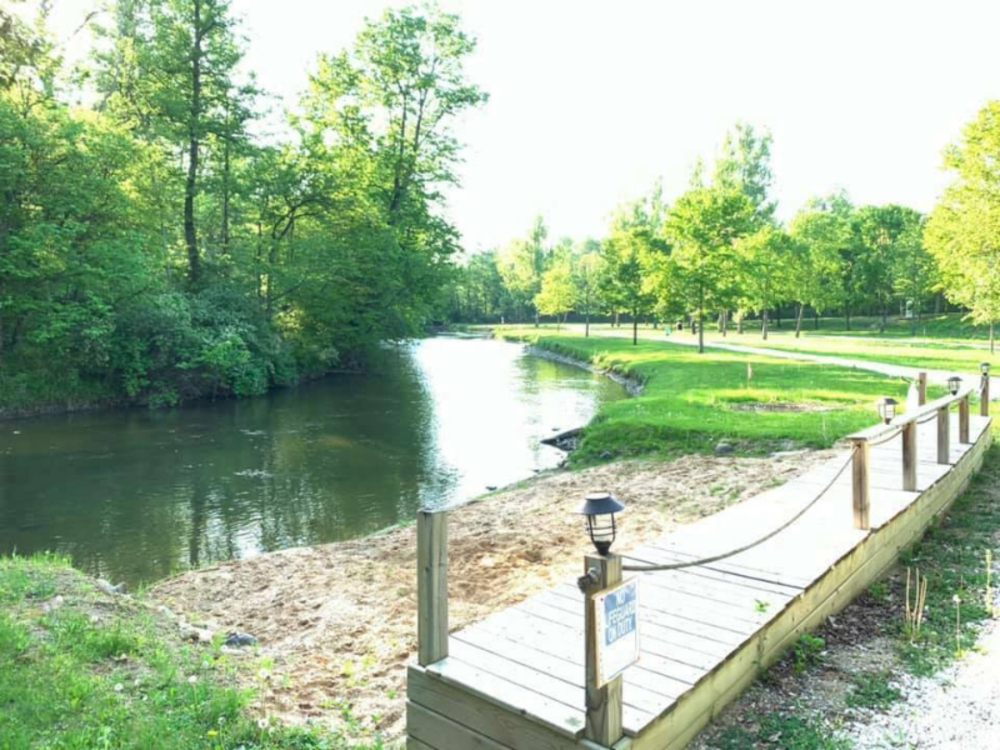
[336,623]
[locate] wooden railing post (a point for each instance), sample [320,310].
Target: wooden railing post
[910,456]
[984,397]
[432,586]
[943,435]
[604,704]
[963,420]
[861,484]
[922,388]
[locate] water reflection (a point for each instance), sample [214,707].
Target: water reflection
[137,495]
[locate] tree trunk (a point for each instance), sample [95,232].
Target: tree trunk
[225,198]
[885,318]
[777,315]
[798,320]
[536,318]
[724,322]
[586,325]
[847,317]
[701,332]
[739,326]
[993,338]
[815,320]
[617,323]
[635,329]
[194,143]
[763,326]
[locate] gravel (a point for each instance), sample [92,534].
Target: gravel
[957,708]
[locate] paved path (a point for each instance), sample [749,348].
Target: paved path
[937,377]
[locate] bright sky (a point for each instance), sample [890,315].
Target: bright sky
[592,101]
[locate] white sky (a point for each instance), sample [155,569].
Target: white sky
[593,101]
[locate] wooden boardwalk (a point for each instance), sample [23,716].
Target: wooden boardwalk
[516,679]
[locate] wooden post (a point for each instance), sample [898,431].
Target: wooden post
[922,388]
[943,438]
[984,398]
[963,420]
[604,704]
[910,457]
[861,491]
[432,586]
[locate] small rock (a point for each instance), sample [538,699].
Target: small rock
[491,487]
[52,604]
[107,588]
[605,455]
[724,449]
[240,640]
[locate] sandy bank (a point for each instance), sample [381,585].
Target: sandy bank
[337,622]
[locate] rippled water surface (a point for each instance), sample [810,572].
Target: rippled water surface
[136,495]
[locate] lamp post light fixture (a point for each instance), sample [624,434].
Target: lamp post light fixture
[887,409]
[954,383]
[984,368]
[600,509]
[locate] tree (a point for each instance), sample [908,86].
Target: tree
[558,292]
[703,227]
[963,232]
[915,273]
[522,265]
[880,230]
[588,270]
[822,231]
[764,259]
[745,165]
[624,257]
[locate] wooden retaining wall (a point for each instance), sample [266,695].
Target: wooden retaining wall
[515,681]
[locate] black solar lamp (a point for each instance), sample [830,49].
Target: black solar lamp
[954,383]
[887,409]
[985,368]
[600,509]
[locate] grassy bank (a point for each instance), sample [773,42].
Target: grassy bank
[692,401]
[81,668]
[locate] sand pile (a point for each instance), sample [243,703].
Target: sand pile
[336,623]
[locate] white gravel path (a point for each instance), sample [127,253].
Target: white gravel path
[957,709]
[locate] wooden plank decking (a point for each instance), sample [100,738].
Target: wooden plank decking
[516,679]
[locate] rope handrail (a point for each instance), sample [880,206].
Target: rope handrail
[751,545]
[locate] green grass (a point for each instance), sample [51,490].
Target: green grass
[953,556]
[692,401]
[782,731]
[873,690]
[83,670]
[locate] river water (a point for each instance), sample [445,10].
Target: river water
[137,495]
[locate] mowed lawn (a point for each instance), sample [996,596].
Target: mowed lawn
[692,401]
[942,354]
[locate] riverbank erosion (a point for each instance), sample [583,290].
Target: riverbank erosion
[336,623]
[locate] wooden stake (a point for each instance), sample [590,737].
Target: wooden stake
[861,491]
[984,399]
[963,420]
[910,457]
[604,704]
[922,388]
[432,586]
[943,435]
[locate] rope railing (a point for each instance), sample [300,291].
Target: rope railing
[873,437]
[751,545]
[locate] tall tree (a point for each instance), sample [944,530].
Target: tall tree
[522,265]
[703,227]
[963,233]
[823,234]
[764,259]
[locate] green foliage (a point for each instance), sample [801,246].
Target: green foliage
[807,652]
[784,731]
[125,276]
[873,690]
[962,230]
